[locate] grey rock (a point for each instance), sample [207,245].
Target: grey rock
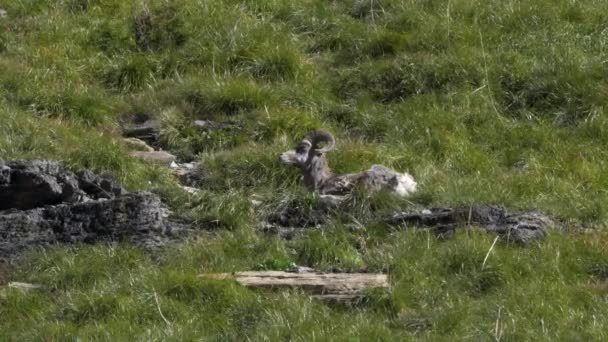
[297,215]
[5,174]
[161,157]
[5,272]
[33,183]
[188,174]
[42,203]
[142,126]
[137,144]
[148,130]
[517,226]
[3,13]
[139,218]
[97,187]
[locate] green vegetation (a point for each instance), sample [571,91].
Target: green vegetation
[501,101]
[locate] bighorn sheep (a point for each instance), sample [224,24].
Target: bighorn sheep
[309,156]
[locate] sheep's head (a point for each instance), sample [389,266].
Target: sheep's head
[310,149]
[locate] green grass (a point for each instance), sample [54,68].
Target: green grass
[482,101]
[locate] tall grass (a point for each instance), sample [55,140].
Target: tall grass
[482,101]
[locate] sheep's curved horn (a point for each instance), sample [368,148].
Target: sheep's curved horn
[318,136]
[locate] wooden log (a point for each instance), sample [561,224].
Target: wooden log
[161,157]
[338,287]
[24,286]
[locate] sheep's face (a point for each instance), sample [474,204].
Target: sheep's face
[298,156]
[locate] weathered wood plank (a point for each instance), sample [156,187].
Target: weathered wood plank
[24,286]
[342,287]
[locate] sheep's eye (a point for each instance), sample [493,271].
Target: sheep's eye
[301,148]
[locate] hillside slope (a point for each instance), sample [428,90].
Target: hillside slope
[496,101]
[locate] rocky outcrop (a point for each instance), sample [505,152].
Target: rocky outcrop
[517,226]
[142,126]
[35,183]
[291,218]
[42,203]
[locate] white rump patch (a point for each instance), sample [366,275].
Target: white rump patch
[406,185]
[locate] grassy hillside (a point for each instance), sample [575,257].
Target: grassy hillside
[500,101]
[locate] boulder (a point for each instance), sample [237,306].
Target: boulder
[34,183]
[139,218]
[43,204]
